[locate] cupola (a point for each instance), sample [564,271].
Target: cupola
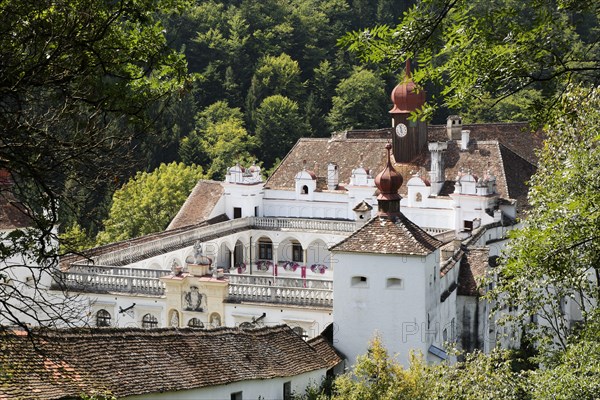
[405,96]
[388,182]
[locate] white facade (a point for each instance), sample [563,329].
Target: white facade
[255,389]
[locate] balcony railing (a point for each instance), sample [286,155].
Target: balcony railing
[292,291]
[179,240]
[98,279]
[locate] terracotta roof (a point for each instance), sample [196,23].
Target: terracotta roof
[515,136]
[512,171]
[326,350]
[318,152]
[12,213]
[363,206]
[472,268]
[199,204]
[394,235]
[126,362]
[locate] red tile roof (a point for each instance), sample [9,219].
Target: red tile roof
[199,204]
[13,215]
[394,235]
[472,268]
[511,169]
[126,362]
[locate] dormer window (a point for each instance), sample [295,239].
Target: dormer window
[304,190]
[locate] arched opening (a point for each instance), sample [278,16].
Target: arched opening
[215,320]
[103,318]
[174,319]
[418,197]
[238,254]
[149,321]
[318,257]
[195,323]
[304,190]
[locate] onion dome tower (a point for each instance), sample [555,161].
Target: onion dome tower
[388,182]
[410,137]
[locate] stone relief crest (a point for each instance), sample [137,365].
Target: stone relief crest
[193,299]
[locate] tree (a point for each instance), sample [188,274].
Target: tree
[477,50]
[219,140]
[227,143]
[360,102]
[554,260]
[149,201]
[81,84]
[274,75]
[278,126]
[376,376]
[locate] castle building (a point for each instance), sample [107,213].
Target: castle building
[382,231]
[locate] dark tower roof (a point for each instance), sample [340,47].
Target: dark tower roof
[406,96]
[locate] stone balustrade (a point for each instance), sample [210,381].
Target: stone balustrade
[294,291]
[179,240]
[102,280]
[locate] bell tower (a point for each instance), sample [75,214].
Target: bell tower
[409,137]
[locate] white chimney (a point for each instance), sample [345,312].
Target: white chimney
[333,176]
[453,127]
[464,140]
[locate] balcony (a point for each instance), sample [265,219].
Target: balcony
[101,279]
[289,291]
[178,240]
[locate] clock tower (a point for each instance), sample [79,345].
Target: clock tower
[410,137]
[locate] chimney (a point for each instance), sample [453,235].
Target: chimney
[464,140]
[453,127]
[333,176]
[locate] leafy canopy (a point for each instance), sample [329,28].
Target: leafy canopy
[149,201]
[485,51]
[555,259]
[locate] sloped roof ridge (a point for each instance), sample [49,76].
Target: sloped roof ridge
[424,243]
[353,233]
[282,162]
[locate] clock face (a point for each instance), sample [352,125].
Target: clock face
[401,130]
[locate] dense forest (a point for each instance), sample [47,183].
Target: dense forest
[264,74]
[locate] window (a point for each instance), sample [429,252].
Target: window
[195,323]
[149,321]
[304,190]
[359,281]
[103,318]
[236,396]
[287,390]
[468,225]
[265,250]
[418,197]
[237,212]
[394,283]
[445,335]
[256,211]
[297,252]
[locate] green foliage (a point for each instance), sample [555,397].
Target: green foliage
[278,126]
[75,239]
[219,141]
[360,102]
[575,374]
[149,201]
[376,376]
[555,259]
[489,49]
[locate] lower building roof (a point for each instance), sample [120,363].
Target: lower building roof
[60,364]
